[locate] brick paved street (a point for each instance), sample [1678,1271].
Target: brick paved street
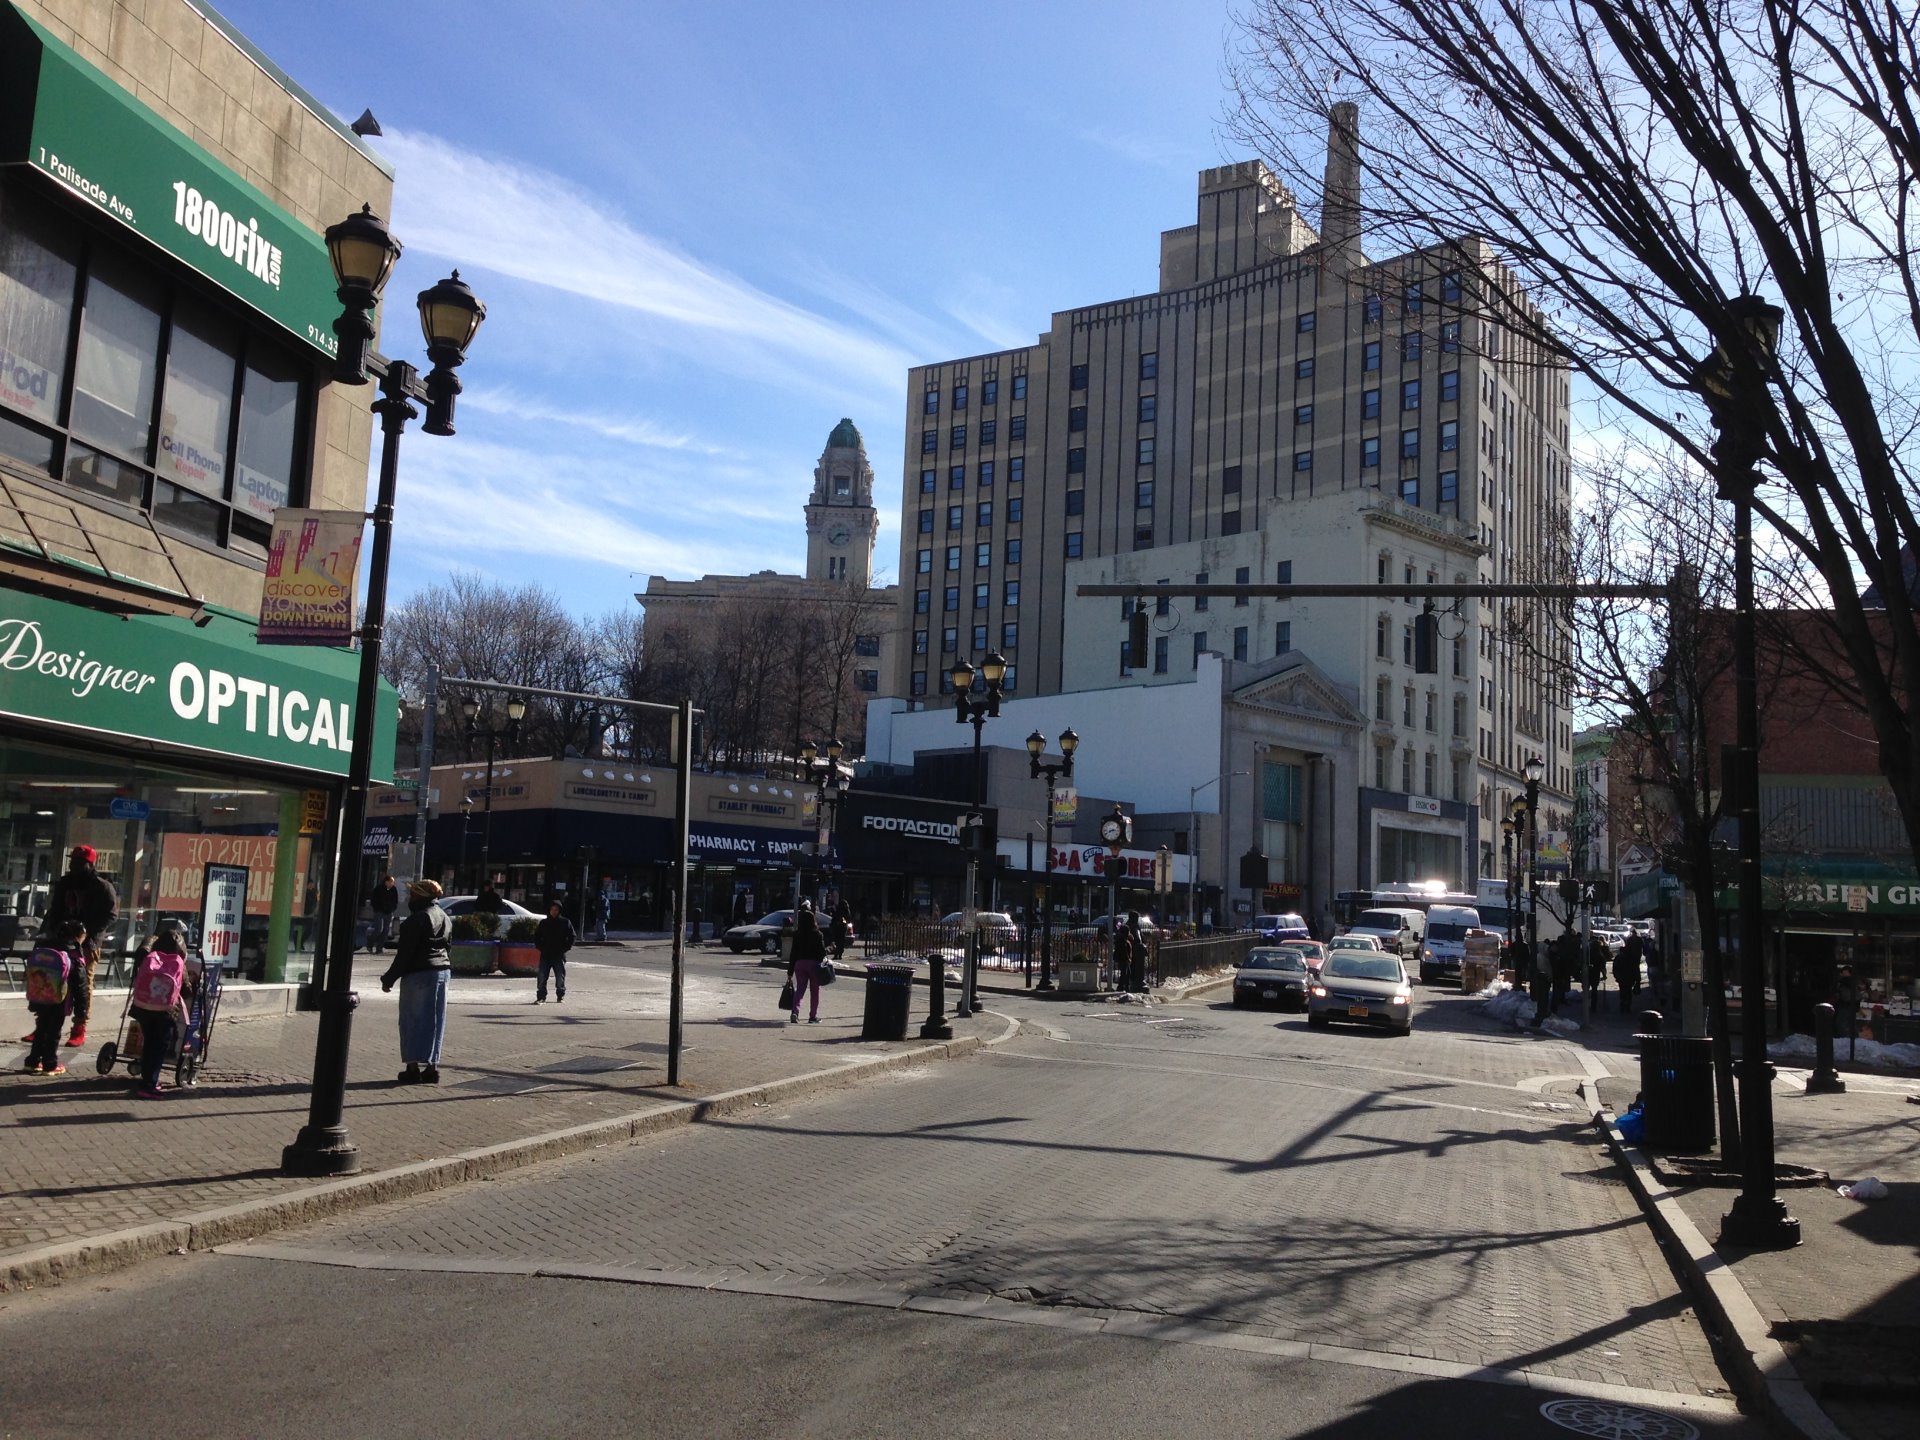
[1409,1198]
[79,1157]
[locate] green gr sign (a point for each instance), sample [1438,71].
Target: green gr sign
[161,678]
[66,119]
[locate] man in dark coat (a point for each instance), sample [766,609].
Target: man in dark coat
[553,938]
[385,903]
[81,894]
[489,900]
[1626,971]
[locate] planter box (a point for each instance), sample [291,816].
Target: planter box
[474,957]
[519,957]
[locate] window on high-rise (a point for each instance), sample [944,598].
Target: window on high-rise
[959,397]
[983,515]
[925,562]
[1242,576]
[979,639]
[926,482]
[1010,597]
[1076,419]
[926,522]
[1449,490]
[989,392]
[1016,469]
[986,474]
[1077,461]
[1143,536]
[1148,406]
[956,516]
[1015,505]
[1410,489]
[1450,337]
[1017,427]
[1200,601]
[1370,404]
[957,438]
[1282,637]
[1302,462]
[1303,368]
[1199,647]
[981,595]
[1409,395]
[931,404]
[953,557]
[1143,495]
[957,477]
[1303,322]
[929,441]
[1019,387]
[918,685]
[1077,378]
[919,642]
[950,640]
[1013,552]
[1370,355]
[1073,545]
[1449,386]
[989,431]
[1076,502]
[921,602]
[1370,453]
[1449,434]
[1239,642]
[1150,365]
[1450,287]
[1160,654]
[1409,444]
[1143,450]
[1303,415]
[1010,635]
[1410,301]
[1283,572]
[1370,310]
[983,554]
[950,598]
[1410,347]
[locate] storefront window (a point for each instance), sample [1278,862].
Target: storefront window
[144,348]
[154,830]
[38,271]
[197,409]
[119,357]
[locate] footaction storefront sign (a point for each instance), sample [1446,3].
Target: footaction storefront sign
[154,677]
[66,119]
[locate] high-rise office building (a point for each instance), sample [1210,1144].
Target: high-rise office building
[1280,400]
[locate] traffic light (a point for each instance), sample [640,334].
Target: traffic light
[1426,642]
[1137,637]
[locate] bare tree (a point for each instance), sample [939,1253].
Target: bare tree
[1641,162]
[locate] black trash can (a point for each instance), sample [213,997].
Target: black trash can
[889,1000]
[1676,1087]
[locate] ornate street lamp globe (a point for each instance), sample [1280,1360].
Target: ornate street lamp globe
[835,749]
[363,253]
[470,707]
[1069,742]
[994,667]
[450,316]
[1036,745]
[516,710]
[808,751]
[1534,769]
[962,676]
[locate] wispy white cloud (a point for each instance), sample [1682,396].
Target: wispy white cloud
[451,202]
[1141,150]
[636,430]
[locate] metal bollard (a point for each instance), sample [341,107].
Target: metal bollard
[1825,1080]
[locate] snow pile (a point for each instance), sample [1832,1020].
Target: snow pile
[1559,1025]
[1868,1053]
[1513,1006]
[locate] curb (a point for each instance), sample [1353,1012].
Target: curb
[1761,1371]
[208,1228]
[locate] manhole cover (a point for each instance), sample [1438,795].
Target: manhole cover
[1616,1422]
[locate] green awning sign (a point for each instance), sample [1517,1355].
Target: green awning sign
[161,678]
[64,118]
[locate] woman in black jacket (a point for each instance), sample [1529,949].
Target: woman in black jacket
[809,949]
[421,961]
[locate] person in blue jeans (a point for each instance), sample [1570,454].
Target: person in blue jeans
[553,938]
[422,959]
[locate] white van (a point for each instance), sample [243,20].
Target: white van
[1400,932]
[1445,943]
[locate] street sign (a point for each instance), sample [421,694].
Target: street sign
[121,808]
[1163,871]
[1857,899]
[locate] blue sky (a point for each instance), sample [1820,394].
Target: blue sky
[705,232]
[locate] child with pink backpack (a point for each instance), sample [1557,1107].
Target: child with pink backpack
[158,980]
[50,984]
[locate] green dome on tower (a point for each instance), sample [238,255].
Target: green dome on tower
[845,437]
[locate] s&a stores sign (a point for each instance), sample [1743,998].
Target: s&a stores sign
[160,678]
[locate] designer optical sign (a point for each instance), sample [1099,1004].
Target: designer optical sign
[159,678]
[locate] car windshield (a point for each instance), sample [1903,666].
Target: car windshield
[1446,930]
[777,917]
[1354,966]
[1274,960]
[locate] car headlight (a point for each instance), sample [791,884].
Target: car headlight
[1427,954]
[1400,999]
[1320,990]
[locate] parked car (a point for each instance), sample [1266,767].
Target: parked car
[458,905]
[1282,927]
[1312,951]
[1366,989]
[1273,975]
[762,935]
[998,930]
[1103,927]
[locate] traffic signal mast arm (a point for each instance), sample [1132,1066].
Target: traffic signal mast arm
[1361,592]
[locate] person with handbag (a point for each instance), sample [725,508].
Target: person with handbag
[422,960]
[809,950]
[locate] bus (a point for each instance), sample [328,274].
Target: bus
[1405,895]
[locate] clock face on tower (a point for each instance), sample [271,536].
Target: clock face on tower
[839,535]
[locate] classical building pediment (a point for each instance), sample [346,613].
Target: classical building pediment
[1302,691]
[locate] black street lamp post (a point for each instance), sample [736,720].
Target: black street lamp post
[821,765]
[1527,820]
[516,712]
[363,252]
[1735,389]
[966,710]
[1061,769]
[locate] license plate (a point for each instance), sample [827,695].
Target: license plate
[1269,994]
[1359,1010]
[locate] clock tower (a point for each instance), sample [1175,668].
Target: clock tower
[841,521]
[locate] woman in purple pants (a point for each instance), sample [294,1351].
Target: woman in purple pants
[809,949]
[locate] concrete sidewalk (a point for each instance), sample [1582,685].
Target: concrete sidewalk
[1833,1324]
[91,1176]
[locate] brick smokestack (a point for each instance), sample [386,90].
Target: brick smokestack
[1340,191]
